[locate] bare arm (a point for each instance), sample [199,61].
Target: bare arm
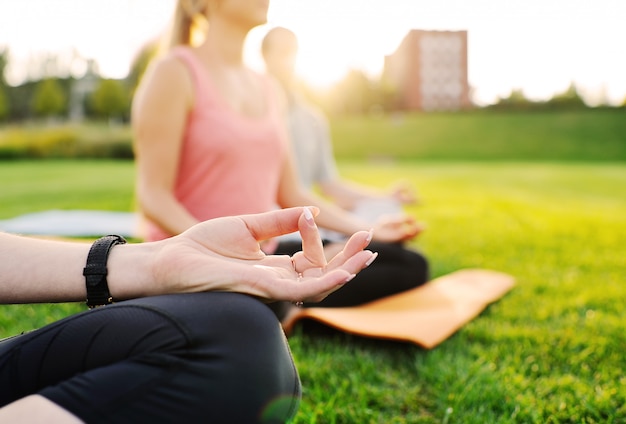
[347,194]
[291,193]
[221,254]
[159,113]
[39,270]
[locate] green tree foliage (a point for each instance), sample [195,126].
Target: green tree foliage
[4,60]
[4,104]
[387,95]
[4,97]
[355,94]
[110,99]
[569,99]
[515,101]
[140,64]
[49,98]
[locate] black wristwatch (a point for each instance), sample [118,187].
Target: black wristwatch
[95,271]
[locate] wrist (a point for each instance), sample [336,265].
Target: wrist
[96,271]
[130,271]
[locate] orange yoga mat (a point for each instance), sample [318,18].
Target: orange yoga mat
[426,315]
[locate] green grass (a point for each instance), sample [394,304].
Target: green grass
[587,135]
[32,186]
[551,351]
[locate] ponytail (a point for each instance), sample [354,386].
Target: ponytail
[190,18]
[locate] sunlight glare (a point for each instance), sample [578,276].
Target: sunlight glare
[538,46]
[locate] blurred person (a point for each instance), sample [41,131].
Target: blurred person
[196,343]
[211,140]
[312,146]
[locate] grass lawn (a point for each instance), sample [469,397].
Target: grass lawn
[584,135]
[551,351]
[32,186]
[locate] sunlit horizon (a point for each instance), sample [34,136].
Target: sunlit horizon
[536,46]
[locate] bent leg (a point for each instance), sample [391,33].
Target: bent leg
[396,269]
[206,357]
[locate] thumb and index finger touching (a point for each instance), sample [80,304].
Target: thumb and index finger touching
[284,221]
[275,223]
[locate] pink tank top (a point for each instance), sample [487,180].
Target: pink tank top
[230,164]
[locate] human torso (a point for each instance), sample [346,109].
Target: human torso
[311,144]
[231,159]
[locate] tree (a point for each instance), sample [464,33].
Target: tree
[110,99]
[4,104]
[140,64]
[387,95]
[4,98]
[4,60]
[49,98]
[515,101]
[569,99]
[355,93]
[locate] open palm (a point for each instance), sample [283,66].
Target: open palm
[224,254]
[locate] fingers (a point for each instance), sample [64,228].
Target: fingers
[411,228]
[354,245]
[397,228]
[275,223]
[312,248]
[307,282]
[404,192]
[316,288]
[357,262]
[312,289]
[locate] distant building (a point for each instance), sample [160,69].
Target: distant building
[428,71]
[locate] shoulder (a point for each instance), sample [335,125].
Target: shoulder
[169,67]
[165,88]
[166,76]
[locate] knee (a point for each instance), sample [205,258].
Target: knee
[246,320]
[256,362]
[236,358]
[420,264]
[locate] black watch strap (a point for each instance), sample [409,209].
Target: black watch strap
[95,271]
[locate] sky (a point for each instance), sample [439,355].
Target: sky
[538,46]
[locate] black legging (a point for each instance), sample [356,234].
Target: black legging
[396,269]
[192,358]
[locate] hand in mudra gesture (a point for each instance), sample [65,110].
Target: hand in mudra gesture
[397,228]
[224,254]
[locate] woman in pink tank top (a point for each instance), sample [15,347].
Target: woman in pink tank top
[211,140]
[229,160]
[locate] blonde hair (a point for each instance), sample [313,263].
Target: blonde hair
[189,23]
